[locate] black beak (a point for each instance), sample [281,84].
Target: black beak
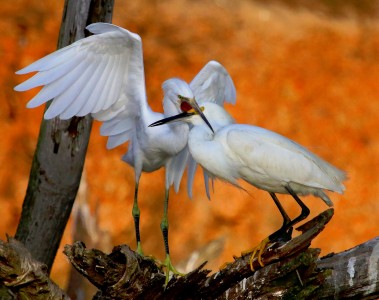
[195,110]
[172,119]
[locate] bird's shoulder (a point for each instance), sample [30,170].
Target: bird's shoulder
[253,142]
[109,39]
[248,134]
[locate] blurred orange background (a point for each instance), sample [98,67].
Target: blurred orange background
[309,73]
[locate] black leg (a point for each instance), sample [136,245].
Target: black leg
[284,232]
[136,216]
[286,218]
[164,223]
[304,209]
[164,227]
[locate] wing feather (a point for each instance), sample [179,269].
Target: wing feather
[116,126]
[47,76]
[175,168]
[91,75]
[272,155]
[118,139]
[106,97]
[192,166]
[214,84]
[80,106]
[97,86]
[50,61]
[64,104]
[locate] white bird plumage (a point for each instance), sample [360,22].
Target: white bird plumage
[103,75]
[208,86]
[262,158]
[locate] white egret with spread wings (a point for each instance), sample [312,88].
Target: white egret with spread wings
[103,75]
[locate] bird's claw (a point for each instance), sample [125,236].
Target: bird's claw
[257,252]
[280,236]
[169,269]
[148,256]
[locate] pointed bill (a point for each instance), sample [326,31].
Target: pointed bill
[193,109]
[192,102]
[172,119]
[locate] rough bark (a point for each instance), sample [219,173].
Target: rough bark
[85,227]
[22,277]
[59,157]
[292,271]
[355,272]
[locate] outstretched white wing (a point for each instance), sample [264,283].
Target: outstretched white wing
[212,84]
[100,75]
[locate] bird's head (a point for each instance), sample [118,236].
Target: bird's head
[196,115]
[172,102]
[179,98]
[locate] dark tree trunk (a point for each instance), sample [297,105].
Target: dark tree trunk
[59,157]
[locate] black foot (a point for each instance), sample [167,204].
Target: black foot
[281,236]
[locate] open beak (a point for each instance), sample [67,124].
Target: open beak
[195,110]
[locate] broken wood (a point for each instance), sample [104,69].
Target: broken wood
[292,270]
[355,272]
[23,277]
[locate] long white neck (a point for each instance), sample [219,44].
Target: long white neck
[207,151]
[216,115]
[200,143]
[201,139]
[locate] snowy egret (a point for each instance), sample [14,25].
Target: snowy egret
[103,75]
[262,158]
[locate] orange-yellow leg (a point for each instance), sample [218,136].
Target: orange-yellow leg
[257,252]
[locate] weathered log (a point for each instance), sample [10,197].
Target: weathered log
[22,277]
[355,272]
[292,271]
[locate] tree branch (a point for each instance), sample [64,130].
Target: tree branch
[292,270]
[354,272]
[22,277]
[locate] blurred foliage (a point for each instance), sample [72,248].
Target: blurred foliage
[306,69]
[334,8]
